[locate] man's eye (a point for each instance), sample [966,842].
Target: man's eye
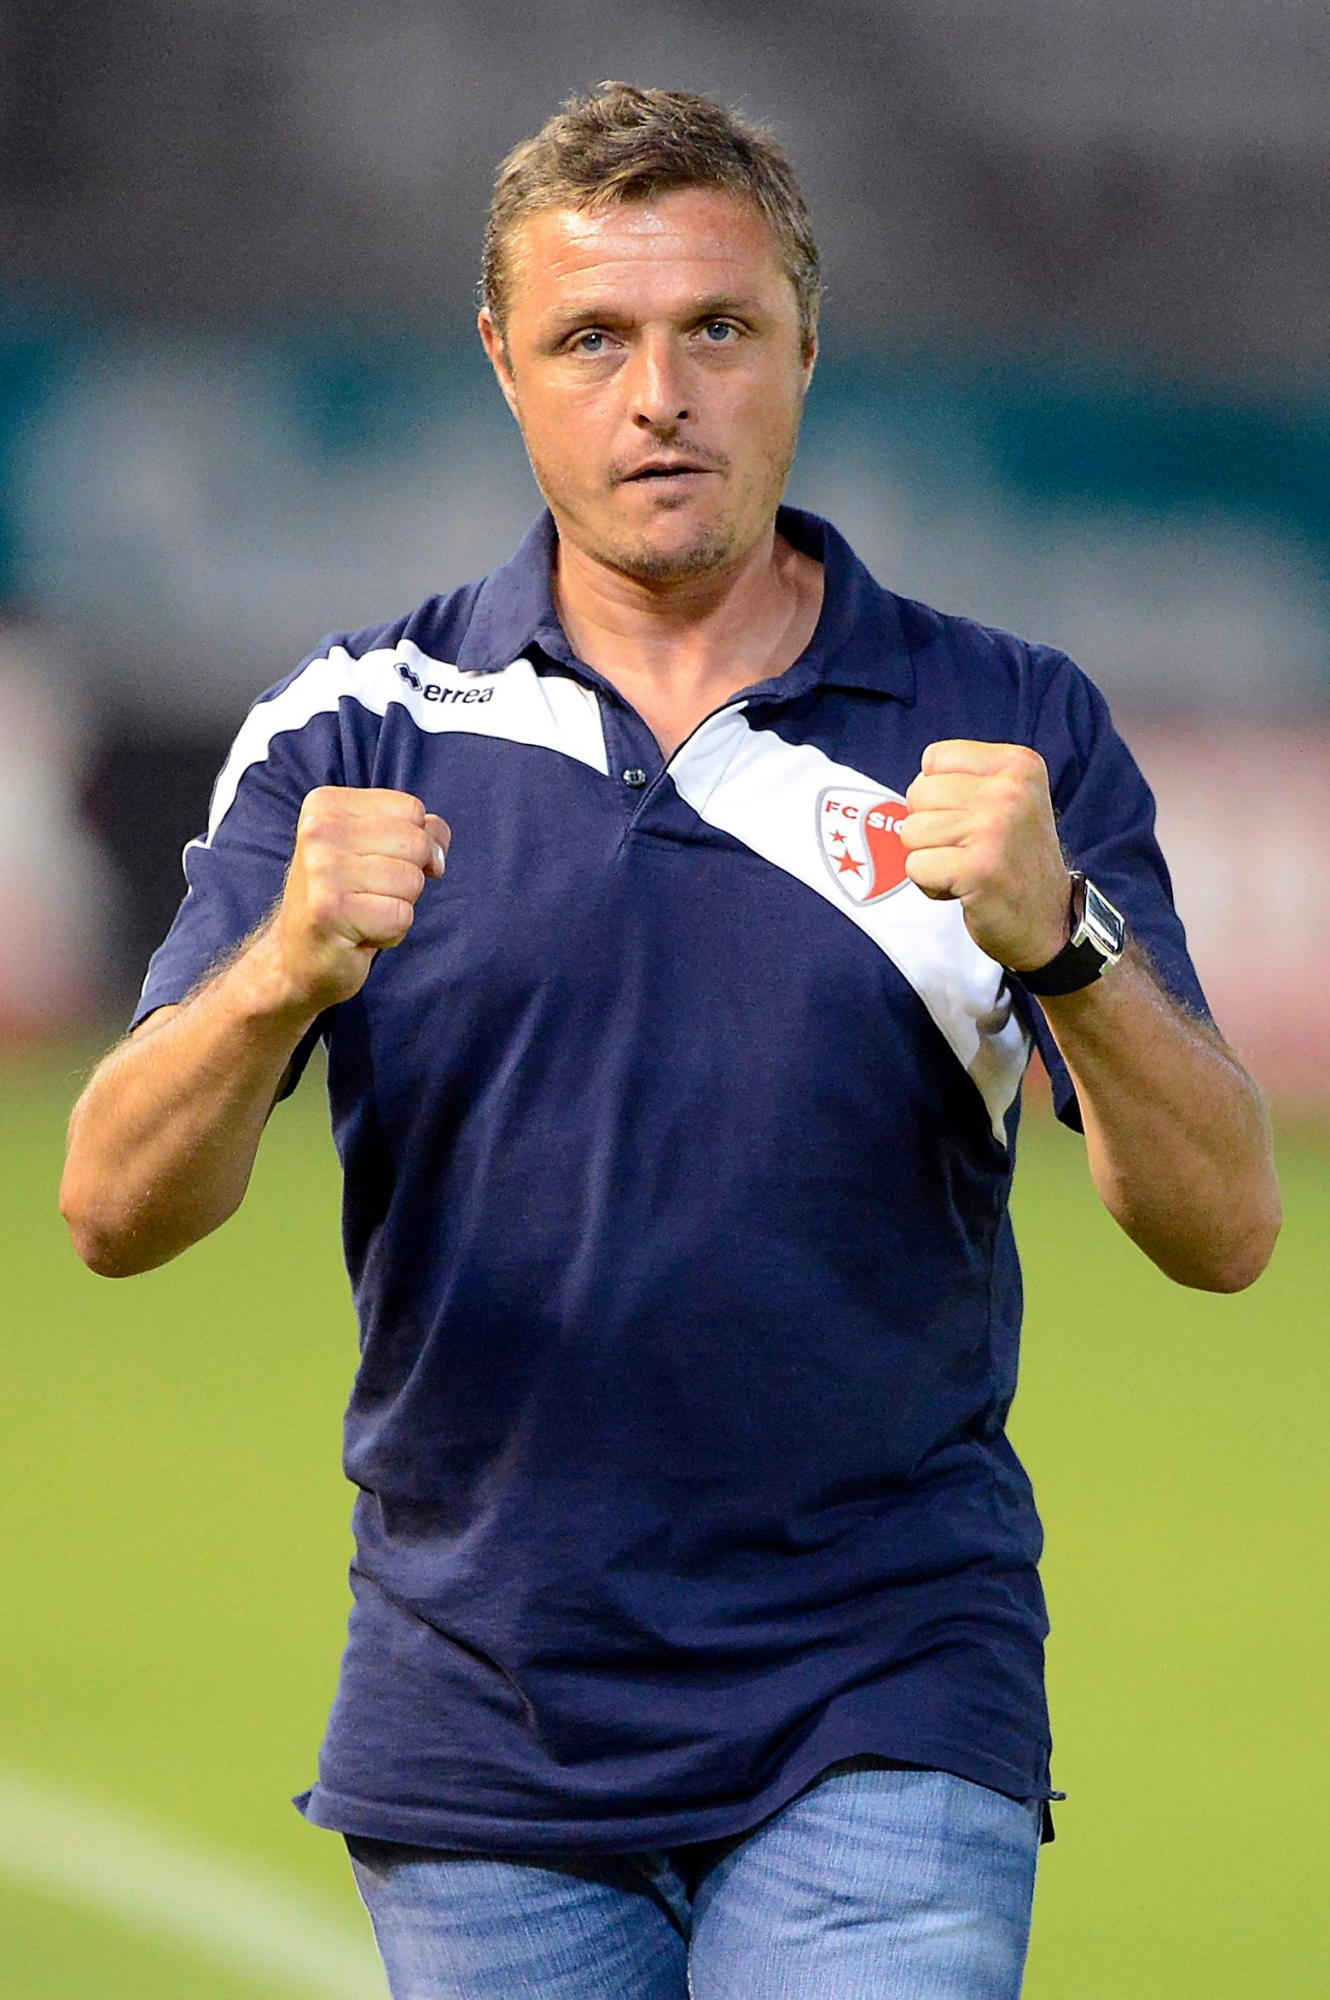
[718,331]
[590,342]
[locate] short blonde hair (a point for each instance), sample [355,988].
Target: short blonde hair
[622,144]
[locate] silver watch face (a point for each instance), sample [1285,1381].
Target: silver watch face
[1101,925]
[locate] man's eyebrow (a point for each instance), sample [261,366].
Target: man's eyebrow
[723,304]
[599,312]
[576,312]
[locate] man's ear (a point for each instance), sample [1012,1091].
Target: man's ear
[809,358]
[496,347]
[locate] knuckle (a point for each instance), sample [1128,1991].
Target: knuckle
[319,824]
[321,805]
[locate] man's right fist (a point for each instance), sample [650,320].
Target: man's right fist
[361,860]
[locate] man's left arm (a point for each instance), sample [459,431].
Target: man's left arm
[1177,1134]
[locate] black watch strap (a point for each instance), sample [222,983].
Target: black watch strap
[1098,938]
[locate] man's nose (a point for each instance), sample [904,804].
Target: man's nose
[659,395]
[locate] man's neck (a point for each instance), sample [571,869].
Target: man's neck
[678,650]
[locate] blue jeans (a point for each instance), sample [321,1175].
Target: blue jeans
[874,1884]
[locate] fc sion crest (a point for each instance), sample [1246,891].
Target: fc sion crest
[861,845]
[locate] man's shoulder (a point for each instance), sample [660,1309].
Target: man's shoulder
[436,629]
[344,687]
[951,640]
[1014,689]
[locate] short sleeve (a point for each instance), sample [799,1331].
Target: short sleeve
[1106,821]
[235,871]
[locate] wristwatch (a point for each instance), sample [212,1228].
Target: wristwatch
[1098,938]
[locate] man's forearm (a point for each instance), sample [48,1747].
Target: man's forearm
[162,1141]
[1177,1134]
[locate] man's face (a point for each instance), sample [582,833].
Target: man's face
[655,363]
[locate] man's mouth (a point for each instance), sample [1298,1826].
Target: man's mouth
[665,469]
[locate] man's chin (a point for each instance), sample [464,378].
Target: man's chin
[661,556]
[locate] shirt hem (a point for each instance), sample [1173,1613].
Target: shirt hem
[485,1833]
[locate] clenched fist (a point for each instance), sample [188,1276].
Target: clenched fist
[980,829]
[361,860]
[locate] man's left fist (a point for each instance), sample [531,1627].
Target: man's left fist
[980,829]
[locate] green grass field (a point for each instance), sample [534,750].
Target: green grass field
[175,1544]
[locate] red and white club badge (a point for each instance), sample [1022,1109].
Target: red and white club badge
[861,843]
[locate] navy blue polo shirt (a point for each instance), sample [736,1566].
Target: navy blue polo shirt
[677,1140]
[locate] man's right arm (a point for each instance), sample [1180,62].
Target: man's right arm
[162,1142]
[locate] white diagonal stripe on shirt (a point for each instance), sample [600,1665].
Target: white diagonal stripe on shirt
[752,784]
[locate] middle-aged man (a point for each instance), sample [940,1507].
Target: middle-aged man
[697,1637]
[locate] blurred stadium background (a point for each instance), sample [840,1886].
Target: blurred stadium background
[1076,381]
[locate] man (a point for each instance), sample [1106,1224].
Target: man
[697,1633]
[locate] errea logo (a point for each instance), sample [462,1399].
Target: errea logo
[857,830]
[435,691]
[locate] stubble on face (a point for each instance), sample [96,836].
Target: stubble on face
[716,543]
[713,549]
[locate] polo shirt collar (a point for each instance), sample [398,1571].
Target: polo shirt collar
[858,643]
